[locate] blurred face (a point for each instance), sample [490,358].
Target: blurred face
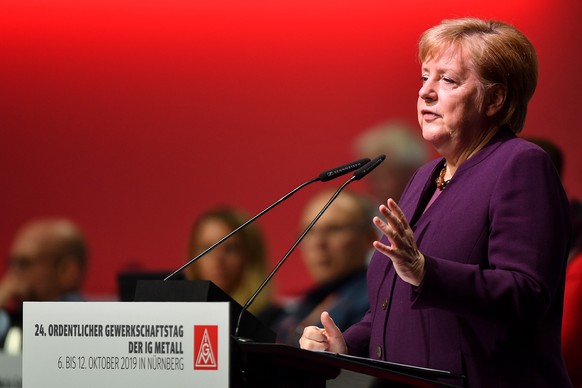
[35,267]
[224,265]
[338,244]
[388,181]
[448,110]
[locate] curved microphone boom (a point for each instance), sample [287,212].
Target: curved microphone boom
[323,177]
[359,174]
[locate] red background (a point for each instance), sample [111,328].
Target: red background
[131,117]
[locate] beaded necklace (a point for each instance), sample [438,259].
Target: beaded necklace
[440,181]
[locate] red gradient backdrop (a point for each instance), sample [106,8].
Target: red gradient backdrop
[131,117]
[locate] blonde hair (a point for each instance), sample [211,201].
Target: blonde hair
[499,53]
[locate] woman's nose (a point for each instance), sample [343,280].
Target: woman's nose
[427,91]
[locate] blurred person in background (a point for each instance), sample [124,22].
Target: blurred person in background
[47,262]
[557,157]
[572,316]
[405,153]
[238,265]
[334,253]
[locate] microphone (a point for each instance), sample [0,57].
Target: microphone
[359,174]
[368,167]
[342,170]
[323,177]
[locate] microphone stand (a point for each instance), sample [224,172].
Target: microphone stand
[242,226]
[359,174]
[301,237]
[323,177]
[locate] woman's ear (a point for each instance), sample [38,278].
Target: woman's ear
[495,99]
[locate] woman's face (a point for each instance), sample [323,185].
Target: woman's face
[224,265]
[448,110]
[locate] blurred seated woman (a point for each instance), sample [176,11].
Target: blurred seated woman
[237,265]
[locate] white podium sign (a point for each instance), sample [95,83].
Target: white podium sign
[125,344]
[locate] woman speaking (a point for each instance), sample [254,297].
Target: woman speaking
[469,274]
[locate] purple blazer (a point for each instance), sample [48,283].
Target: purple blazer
[490,305]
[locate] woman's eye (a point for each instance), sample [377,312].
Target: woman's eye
[423,78]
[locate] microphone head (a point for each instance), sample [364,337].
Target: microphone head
[366,169]
[342,170]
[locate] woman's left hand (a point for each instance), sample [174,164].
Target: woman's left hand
[407,259]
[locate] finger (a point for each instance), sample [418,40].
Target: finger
[381,225]
[329,326]
[308,344]
[393,220]
[314,333]
[387,230]
[313,338]
[387,250]
[335,338]
[386,227]
[395,209]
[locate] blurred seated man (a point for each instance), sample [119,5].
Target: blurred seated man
[47,262]
[335,253]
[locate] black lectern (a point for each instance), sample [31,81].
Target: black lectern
[262,363]
[203,291]
[278,365]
